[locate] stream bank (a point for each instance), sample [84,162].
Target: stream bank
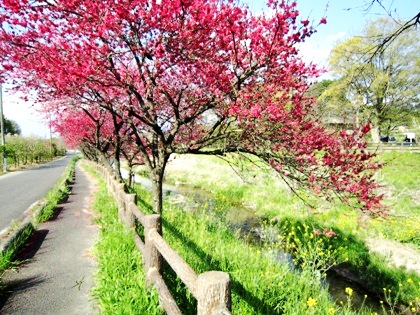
[246,221]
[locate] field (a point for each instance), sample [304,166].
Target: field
[261,191]
[322,238]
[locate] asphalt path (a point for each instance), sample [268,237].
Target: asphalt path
[20,189]
[56,273]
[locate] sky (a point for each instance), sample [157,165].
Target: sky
[345,18]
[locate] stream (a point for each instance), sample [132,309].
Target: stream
[244,220]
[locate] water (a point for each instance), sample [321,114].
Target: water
[337,285]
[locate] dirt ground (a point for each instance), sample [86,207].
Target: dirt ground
[397,253]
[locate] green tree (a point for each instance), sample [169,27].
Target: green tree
[382,89]
[11,127]
[332,104]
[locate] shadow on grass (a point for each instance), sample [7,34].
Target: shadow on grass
[144,205]
[185,301]
[368,270]
[208,263]
[52,215]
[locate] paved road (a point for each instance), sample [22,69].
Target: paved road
[56,276]
[20,189]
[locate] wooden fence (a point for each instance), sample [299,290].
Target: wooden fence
[400,147]
[211,289]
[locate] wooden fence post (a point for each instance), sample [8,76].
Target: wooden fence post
[129,217]
[153,259]
[213,293]
[120,196]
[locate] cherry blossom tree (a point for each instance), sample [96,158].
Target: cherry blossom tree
[188,76]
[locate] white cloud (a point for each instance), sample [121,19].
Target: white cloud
[314,52]
[317,50]
[335,37]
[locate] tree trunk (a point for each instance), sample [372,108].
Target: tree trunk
[117,169]
[102,159]
[117,149]
[375,134]
[374,121]
[130,176]
[157,188]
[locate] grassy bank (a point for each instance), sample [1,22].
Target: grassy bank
[259,284]
[401,180]
[120,279]
[273,202]
[270,198]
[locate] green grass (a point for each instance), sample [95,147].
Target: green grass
[271,200]
[401,170]
[7,257]
[120,279]
[259,284]
[347,251]
[401,180]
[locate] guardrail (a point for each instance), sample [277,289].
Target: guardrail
[211,289]
[398,146]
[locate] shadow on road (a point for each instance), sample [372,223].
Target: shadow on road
[57,211]
[14,287]
[32,245]
[27,252]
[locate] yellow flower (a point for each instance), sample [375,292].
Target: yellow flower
[349,291]
[413,309]
[311,302]
[409,280]
[331,311]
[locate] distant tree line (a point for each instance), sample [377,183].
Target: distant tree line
[11,127]
[23,151]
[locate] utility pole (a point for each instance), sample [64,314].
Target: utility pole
[3,142]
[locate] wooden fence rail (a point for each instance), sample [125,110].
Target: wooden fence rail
[211,289]
[400,147]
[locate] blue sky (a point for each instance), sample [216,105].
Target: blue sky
[342,23]
[345,18]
